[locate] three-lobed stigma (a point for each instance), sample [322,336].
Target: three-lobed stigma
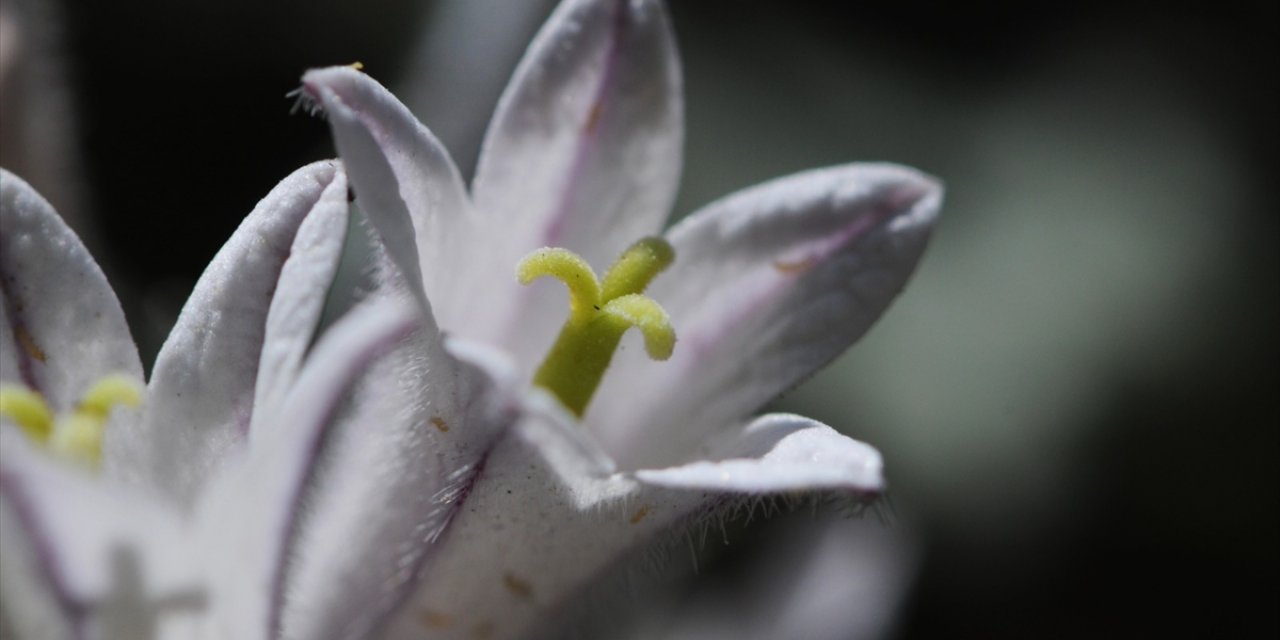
[600,311]
[76,434]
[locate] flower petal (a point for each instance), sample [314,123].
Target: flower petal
[201,392]
[299,300]
[403,178]
[530,533]
[546,517]
[422,423]
[61,327]
[583,153]
[778,453]
[251,516]
[768,285]
[84,556]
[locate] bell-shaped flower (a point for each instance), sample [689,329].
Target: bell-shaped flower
[174,511]
[619,445]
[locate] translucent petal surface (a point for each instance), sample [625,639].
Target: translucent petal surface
[108,562]
[61,327]
[395,153]
[300,297]
[251,518]
[200,395]
[547,517]
[768,285]
[396,470]
[403,178]
[583,153]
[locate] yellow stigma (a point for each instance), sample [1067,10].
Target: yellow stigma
[600,311]
[76,434]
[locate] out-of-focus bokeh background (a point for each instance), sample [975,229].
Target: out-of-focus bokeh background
[1076,396]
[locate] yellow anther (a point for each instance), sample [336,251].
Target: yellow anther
[600,314]
[108,392]
[76,434]
[28,410]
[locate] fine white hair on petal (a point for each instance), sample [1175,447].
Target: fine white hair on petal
[249,541]
[303,101]
[545,521]
[396,471]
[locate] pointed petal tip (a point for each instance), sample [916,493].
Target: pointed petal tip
[922,199]
[207,369]
[913,198]
[61,325]
[585,144]
[321,88]
[333,78]
[341,91]
[878,208]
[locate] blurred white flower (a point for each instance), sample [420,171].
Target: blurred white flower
[181,533]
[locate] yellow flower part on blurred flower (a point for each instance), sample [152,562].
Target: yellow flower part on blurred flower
[76,434]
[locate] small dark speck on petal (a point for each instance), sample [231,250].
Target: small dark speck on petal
[518,587]
[435,620]
[640,514]
[593,119]
[795,267]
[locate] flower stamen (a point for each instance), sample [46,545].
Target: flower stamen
[76,434]
[600,312]
[28,410]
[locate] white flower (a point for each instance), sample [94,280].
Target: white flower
[400,477]
[583,154]
[181,534]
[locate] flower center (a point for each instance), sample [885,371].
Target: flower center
[76,434]
[600,311]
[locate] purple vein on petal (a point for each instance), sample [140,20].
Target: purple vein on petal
[313,446]
[24,345]
[552,236]
[46,559]
[454,495]
[795,265]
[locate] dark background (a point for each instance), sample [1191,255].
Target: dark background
[1076,399]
